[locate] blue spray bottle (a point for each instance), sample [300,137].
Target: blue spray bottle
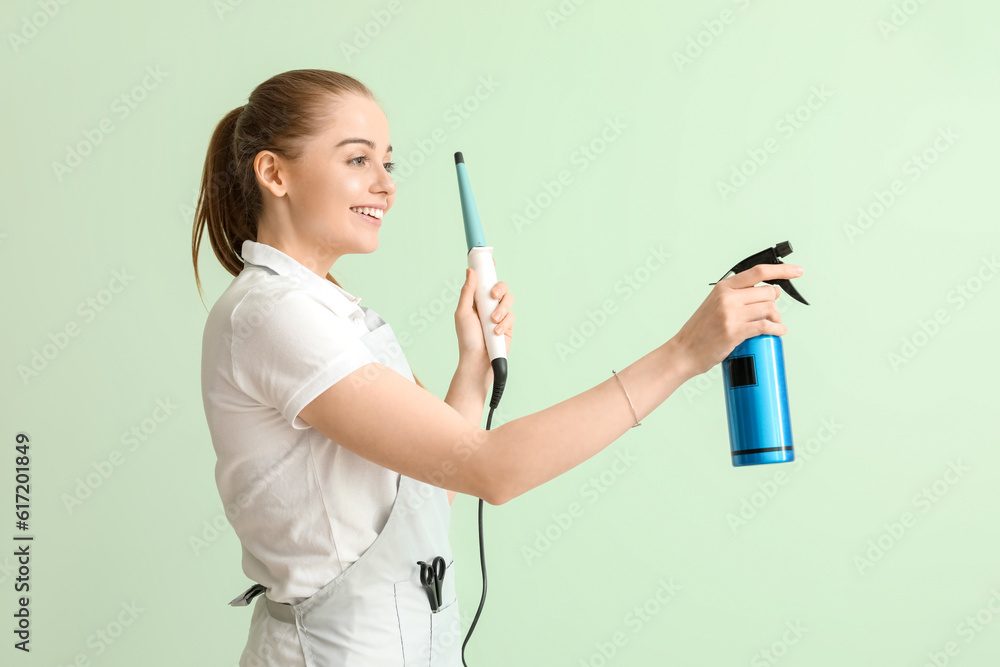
[760,428]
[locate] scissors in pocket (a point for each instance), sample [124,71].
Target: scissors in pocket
[431,577]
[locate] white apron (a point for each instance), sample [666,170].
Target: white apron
[377,612]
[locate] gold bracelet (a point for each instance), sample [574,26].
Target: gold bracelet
[637,422]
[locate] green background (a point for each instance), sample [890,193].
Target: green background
[872,434]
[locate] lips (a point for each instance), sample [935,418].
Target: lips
[371,211]
[368,218]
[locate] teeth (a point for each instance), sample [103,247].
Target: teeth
[373,212]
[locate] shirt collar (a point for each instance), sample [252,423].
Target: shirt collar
[341,301]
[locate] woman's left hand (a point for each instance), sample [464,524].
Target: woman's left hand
[471,342]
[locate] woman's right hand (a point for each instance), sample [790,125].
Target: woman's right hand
[733,311]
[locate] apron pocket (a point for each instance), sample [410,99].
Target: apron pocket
[413,607]
[446,626]
[446,634]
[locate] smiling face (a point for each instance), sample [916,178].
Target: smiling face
[311,205]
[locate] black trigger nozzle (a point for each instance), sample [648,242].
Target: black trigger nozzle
[771,255]
[787,287]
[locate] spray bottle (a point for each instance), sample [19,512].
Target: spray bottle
[760,428]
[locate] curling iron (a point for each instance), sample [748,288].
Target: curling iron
[481,261]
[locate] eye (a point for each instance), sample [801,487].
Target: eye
[389,166]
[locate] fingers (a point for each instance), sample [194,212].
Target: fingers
[503,307]
[763,318]
[505,326]
[466,296]
[503,317]
[750,295]
[764,311]
[501,314]
[762,272]
[759,327]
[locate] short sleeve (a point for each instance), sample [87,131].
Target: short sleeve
[288,348]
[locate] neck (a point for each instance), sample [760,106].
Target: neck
[318,263]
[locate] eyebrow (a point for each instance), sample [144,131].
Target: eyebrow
[356,140]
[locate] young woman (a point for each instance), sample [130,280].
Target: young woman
[335,465]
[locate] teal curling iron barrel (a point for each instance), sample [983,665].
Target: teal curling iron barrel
[760,428]
[481,261]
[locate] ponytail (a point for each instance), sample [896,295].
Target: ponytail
[221,206]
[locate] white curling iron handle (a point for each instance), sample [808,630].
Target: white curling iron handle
[481,261]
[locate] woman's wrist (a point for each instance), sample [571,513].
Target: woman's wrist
[682,360]
[466,393]
[472,373]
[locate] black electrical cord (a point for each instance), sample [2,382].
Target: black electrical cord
[499,380]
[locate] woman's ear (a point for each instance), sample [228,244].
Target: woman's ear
[270,171]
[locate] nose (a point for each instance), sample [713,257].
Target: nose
[384,182]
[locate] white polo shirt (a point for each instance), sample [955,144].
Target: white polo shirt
[303,507]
